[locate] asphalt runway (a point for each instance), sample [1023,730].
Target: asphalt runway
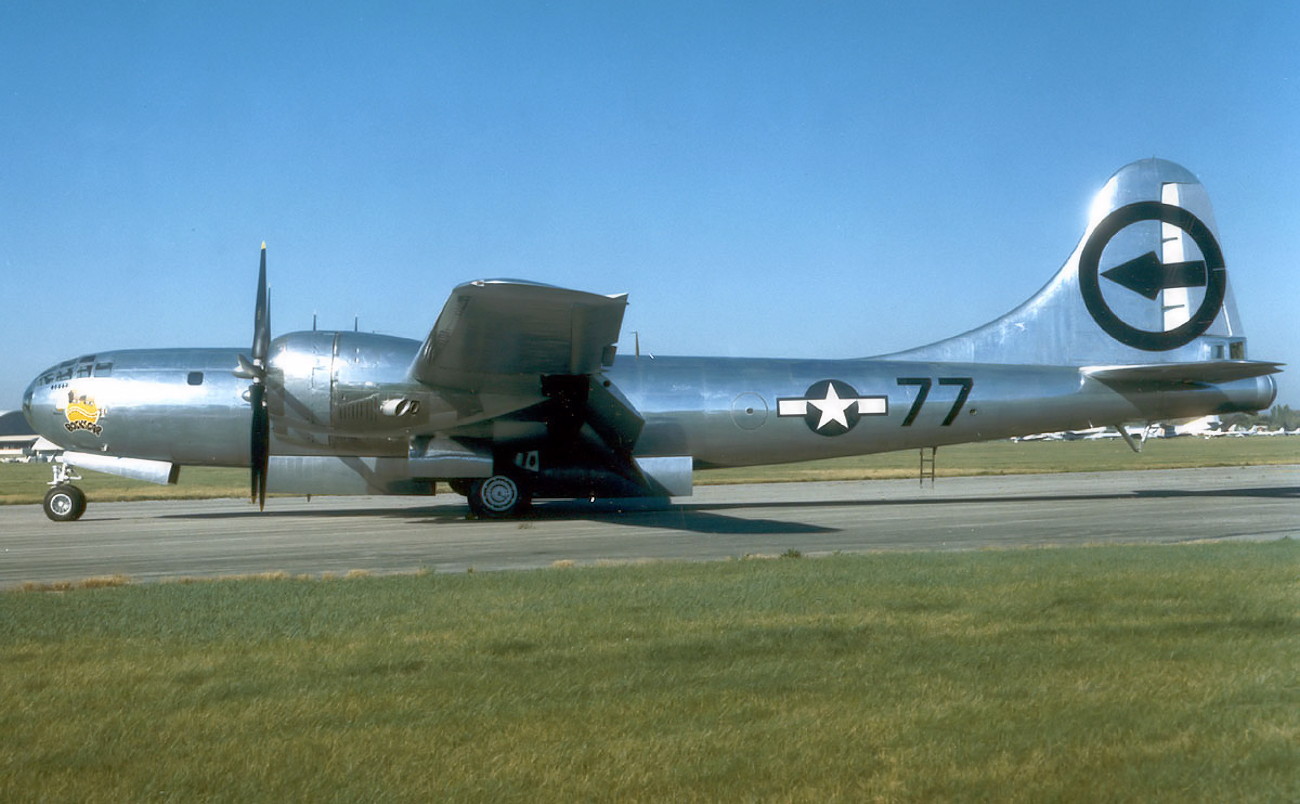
[150,541]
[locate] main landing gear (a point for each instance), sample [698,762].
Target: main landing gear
[495,497]
[64,502]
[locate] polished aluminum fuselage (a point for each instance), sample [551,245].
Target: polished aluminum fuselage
[185,406]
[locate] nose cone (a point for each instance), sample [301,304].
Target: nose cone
[50,412]
[38,409]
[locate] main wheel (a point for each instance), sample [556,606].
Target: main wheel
[65,503]
[496,497]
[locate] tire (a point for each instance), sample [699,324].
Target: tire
[64,503]
[496,497]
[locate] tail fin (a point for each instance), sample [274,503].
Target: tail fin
[1146,284]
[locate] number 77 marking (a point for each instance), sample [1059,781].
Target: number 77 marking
[966,384]
[923,392]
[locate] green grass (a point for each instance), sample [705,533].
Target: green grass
[26,484]
[1136,674]
[23,484]
[1010,458]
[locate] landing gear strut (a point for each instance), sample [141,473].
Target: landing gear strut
[64,502]
[496,497]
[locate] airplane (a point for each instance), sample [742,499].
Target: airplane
[517,392]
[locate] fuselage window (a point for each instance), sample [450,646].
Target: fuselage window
[195,378]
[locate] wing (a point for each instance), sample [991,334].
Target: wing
[503,335]
[521,364]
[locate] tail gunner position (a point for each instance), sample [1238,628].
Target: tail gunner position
[516,393]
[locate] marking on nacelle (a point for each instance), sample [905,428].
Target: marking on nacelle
[831,407]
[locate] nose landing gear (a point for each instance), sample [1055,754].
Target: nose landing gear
[64,502]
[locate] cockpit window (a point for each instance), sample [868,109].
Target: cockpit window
[103,369]
[195,378]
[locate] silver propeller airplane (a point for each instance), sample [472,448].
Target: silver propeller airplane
[516,393]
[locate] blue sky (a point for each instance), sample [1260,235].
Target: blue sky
[791,179]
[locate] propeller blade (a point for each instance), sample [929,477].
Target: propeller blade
[260,435]
[262,317]
[260,443]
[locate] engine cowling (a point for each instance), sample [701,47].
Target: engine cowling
[345,391]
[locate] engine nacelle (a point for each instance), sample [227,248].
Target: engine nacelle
[344,390]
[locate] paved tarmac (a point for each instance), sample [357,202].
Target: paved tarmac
[151,541]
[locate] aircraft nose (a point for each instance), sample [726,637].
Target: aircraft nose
[38,407]
[27,401]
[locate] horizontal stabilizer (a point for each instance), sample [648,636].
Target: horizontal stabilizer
[1205,373]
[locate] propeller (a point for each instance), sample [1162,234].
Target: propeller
[255,370]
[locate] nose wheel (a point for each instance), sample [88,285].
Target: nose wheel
[64,502]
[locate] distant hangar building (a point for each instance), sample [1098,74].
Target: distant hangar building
[19,444]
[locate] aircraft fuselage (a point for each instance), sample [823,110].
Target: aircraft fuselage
[185,406]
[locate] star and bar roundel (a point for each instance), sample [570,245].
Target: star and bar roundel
[832,407]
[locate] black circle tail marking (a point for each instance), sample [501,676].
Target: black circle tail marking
[1216,276]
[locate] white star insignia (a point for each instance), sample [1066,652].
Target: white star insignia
[832,408]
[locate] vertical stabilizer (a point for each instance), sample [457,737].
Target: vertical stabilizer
[1147,283]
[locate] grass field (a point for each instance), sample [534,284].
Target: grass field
[23,484]
[1117,673]
[1011,458]
[26,484]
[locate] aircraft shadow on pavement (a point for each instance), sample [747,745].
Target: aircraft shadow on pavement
[675,517]
[706,518]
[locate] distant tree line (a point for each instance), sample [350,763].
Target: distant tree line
[1278,416]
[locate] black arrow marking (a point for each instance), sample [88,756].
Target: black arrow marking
[1148,276]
